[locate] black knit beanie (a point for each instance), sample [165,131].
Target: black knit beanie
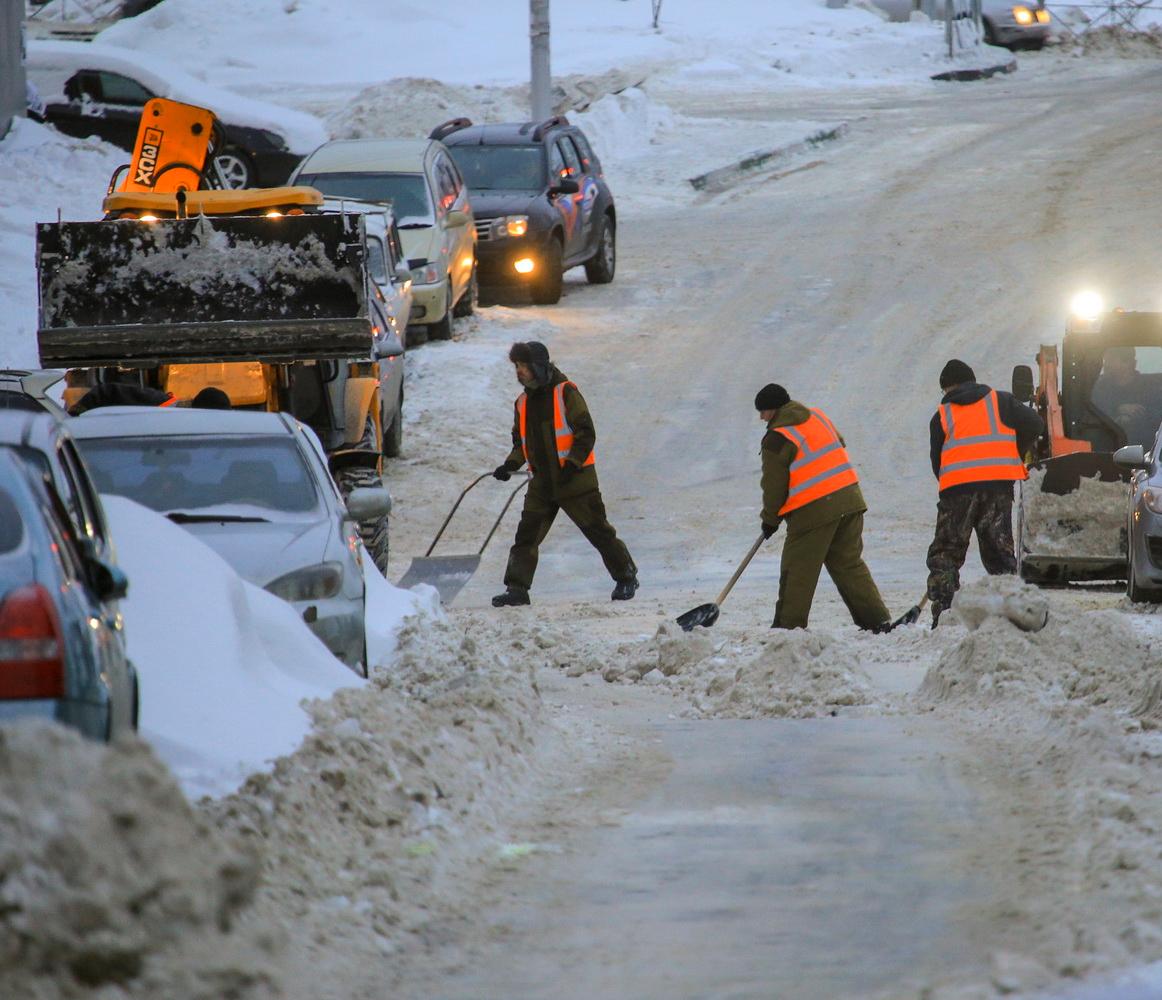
[771,397]
[954,373]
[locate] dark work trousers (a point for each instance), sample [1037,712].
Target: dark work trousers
[838,545]
[587,511]
[987,512]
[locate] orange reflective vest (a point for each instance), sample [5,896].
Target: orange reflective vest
[821,467]
[978,448]
[561,428]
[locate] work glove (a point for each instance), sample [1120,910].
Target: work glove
[769,529]
[502,472]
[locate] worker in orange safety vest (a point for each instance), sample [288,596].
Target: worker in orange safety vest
[808,481]
[978,436]
[553,433]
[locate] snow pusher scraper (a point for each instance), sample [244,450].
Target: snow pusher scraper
[1103,391]
[184,284]
[449,574]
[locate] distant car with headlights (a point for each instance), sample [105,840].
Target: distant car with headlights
[62,647]
[432,212]
[90,88]
[541,203]
[1007,24]
[255,487]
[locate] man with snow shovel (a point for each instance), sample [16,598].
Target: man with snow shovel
[978,436]
[809,481]
[553,432]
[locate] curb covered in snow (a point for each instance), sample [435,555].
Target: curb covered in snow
[981,73]
[723,177]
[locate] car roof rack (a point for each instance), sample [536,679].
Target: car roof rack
[555,122]
[448,127]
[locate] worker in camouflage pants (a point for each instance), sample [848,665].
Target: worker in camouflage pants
[978,436]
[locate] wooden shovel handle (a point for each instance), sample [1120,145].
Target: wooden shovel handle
[741,566]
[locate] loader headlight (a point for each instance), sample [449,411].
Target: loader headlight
[1152,498]
[1087,305]
[312,583]
[1022,15]
[1043,16]
[429,274]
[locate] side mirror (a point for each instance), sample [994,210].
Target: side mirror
[1132,456]
[368,502]
[387,345]
[456,218]
[109,583]
[565,186]
[416,264]
[1023,383]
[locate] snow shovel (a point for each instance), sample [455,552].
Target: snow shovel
[448,574]
[912,615]
[707,614]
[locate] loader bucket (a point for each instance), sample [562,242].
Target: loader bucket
[448,574]
[202,289]
[1071,517]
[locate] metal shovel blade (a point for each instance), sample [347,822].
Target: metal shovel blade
[704,614]
[448,574]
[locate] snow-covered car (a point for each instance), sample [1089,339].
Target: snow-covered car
[432,211]
[391,298]
[255,487]
[90,88]
[1010,25]
[62,648]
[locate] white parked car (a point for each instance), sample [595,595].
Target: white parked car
[430,202]
[89,88]
[254,487]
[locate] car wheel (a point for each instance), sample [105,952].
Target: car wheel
[600,267]
[470,299]
[135,710]
[235,168]
[990,33]
[443,329]
[393,432]
[1134,591]
[546,290]
[416,335]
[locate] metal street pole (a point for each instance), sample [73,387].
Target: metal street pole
[539,54]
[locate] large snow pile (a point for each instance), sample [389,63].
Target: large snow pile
[41,173]
[223,665]
[111,885]
[1087,522]
[400,784]
[719,673]
[1097,658]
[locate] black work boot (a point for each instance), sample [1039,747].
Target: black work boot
[625,589]
[511,598]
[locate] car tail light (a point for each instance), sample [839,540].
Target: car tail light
[31,648]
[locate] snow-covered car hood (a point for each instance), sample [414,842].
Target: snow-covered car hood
[51,63]
[490,204]
[261,552]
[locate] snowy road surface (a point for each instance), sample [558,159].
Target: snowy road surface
[888,858]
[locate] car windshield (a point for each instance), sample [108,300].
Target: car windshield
[255,475]
[1129,391]
[407,192]
[501,168]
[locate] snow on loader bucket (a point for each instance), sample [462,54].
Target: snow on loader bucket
[214,287]
[449,574]
[1071,520]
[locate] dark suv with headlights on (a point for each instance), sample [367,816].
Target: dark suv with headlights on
[540,200]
